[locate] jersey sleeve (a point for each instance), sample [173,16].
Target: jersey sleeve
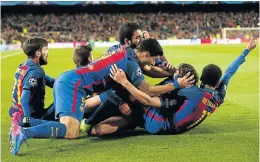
[110,51]
[112,97]
[32,79]
[25,99]
[134,72]
[49,81]
[113,49]
[221,93]
[231,70]
[190,92]
[30,82]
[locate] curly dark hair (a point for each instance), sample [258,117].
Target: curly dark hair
[32,44]
[126,31]
[211,75]
[184,68]
[152,46]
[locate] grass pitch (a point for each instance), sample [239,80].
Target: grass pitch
[230,134]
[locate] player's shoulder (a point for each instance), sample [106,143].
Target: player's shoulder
[113,49]
[35,70]
[130,54]
[191,92]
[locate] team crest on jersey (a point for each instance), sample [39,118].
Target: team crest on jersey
[138,72]
[82,106]
[173,102]
[33,82]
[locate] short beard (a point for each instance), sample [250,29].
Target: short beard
[42,61]
[132,45]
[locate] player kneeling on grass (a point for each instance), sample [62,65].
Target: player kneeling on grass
[201,101]
[29,86]
[72,87]
[29,82]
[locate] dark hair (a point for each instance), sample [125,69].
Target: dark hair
[126,31]
[32,44]
[152,46]
[211,75]
[185,68]
[81,55]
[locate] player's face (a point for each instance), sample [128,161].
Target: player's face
[145,58]
[44,56]
[151,59]
[136,38]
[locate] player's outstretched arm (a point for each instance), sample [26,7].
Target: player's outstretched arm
[119,76]
[231,70]
[158,72]
[136,77]
[156,90]
[161,69]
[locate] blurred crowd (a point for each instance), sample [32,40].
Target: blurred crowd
[104,27]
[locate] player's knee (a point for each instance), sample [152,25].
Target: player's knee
[153,128]
[72,127]
[71,135]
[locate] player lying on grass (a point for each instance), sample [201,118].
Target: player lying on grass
[29,83]
[201,102]
[103,124]
[72,87]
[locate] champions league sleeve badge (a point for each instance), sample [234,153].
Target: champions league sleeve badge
[33,82]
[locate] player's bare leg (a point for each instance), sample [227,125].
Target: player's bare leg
[72,127]
[110,125]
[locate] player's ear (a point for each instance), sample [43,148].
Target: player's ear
[38,53]
[127,41]
[147,54]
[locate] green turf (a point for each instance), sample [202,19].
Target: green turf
[230,134]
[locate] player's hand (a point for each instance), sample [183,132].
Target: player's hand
[125,109]
[168,67]
[184,82]
[117,75]
[251,45]
[145,35]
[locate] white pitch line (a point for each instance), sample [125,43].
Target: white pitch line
[10,55]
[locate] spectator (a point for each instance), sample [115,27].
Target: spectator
[104,27]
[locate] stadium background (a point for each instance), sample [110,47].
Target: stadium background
[190,32]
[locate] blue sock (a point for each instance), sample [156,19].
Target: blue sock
[86,121]
[51,129]
[34,122]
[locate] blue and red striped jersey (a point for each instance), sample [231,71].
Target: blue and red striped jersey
[29,76]
[95,76]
